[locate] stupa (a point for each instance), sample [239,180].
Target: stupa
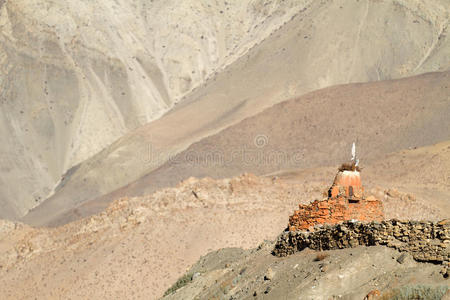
[346,201]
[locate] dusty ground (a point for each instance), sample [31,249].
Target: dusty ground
[77,75]
[148,242]
[141,242]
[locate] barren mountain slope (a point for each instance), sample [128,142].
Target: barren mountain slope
[148,242]
[307,132]
[327,43]
[77,75]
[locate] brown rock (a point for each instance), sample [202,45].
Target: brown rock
[373,295]
[269,274]
[444,222]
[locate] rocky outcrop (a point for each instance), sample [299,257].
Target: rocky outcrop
[425,241]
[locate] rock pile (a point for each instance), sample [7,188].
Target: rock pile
[425,241]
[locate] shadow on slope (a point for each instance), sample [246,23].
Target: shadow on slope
[353,42]
[311,131]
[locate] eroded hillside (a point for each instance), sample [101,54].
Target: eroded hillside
[306,132]
[77,75]
[148,242]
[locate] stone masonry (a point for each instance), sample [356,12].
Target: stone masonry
[334,211]
[346,201]
[425,241]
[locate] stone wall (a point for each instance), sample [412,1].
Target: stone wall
[425,241]
[335,210]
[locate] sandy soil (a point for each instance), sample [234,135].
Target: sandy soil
[148,242]
[141,242]
[257,87]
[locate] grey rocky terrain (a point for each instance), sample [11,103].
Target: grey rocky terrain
[350,273]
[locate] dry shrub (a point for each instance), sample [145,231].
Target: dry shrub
[349,167]
[181,282]
[321,256]
[408,292]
